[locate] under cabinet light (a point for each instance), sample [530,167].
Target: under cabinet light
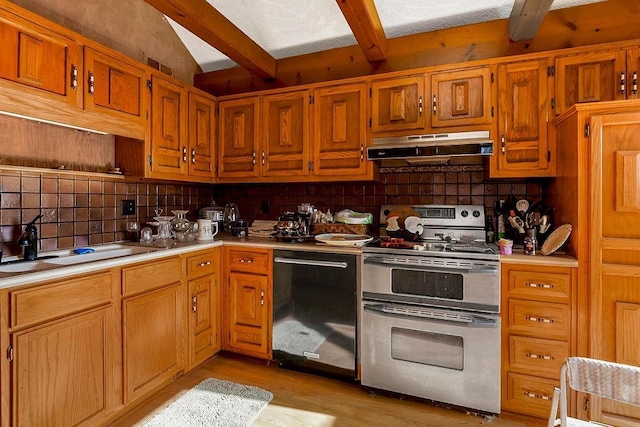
[51,122]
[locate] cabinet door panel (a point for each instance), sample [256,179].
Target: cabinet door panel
[248,312]
[340,130]
[461,98]
[113,86]
[201,136]
[589,77]
[152,339]
[397,104]
[203,326]
[61,372]
[285,146]
[41,59]
[523,117]
[239,130]
[168,127]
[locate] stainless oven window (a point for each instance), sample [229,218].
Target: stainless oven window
[427,283]
[427,348]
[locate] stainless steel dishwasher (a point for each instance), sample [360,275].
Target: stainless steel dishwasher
[314,312]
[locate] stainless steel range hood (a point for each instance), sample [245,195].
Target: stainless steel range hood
[458,147]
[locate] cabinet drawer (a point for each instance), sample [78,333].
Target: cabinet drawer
[545,285]
[143,277]
[201,264]
[539,319]
[529,395]
[39,304]
[251,261]
[544,357]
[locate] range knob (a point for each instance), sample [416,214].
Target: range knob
[476,214]
[464,214]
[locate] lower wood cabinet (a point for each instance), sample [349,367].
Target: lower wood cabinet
[152,325]
[61,353]
[203,301]
[538,334]
[248,303]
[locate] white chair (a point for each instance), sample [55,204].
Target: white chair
[597,377]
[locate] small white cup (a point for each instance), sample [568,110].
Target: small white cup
[207,229]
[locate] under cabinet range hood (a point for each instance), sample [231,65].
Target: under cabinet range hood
[458,147]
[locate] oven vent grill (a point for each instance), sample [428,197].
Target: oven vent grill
[429,313]
[435,262]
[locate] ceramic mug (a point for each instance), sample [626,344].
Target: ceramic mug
[207,229]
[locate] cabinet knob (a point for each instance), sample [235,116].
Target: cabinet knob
[262,297]
[623,83]
[74,77]
[634,82]
[264,158]
[204,264]
[193,156]
[361,153]
[435,104]
[420,105]
[92,83]
[194,303]
[503,143]
[253,158]
[184,154]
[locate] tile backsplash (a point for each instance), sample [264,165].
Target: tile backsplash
[84,209]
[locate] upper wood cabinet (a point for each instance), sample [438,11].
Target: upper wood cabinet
[340,131]
[522,147]
[46,63]
[397,104]
[169,152]
[461,97]
[202,131]
[113,86]
[285,134]
[590,77]
[239,136]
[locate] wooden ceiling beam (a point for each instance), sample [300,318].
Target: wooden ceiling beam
[362,17]
[203,20]
[526,17]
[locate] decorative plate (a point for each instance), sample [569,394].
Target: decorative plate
[344,239]
[556,239]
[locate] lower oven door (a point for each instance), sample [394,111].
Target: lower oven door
[442,355]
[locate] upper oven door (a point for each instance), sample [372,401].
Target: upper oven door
[444,282]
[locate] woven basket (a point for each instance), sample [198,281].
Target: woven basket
[335,228]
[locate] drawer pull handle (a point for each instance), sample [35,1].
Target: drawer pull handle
[539,319]
[537,396]
[245,260]
[204,264]
[540,356]
[540,285]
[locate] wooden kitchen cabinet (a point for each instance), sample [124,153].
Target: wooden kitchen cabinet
[62,352]
[285,134]
[538,334]
[203,296]
[153,328]
[602,149]
[202,136]
[248,301]
[461,97]
[239,138]
[523,148]
[398,104]
[590,77]
[114,87]
[340,132]
[46,63]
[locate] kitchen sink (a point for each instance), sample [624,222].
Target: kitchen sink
[101,253]
[22,267]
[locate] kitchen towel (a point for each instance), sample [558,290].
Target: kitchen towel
[214,403]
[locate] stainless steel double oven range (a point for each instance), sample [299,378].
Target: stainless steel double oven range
[430,309]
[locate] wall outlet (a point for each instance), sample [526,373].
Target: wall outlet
[127,207]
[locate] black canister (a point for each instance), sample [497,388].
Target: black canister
[239,228]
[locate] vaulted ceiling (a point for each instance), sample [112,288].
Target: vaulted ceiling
[256,33]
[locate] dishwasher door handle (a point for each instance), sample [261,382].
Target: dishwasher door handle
[313,262]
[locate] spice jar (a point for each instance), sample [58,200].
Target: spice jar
[530,242]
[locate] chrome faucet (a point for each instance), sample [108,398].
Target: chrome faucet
[29,240]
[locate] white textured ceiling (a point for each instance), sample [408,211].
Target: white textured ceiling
[287,28]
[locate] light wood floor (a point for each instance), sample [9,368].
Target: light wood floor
[308,400]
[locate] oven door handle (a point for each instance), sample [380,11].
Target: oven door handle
[438,269]
[467,319]
[310,262]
